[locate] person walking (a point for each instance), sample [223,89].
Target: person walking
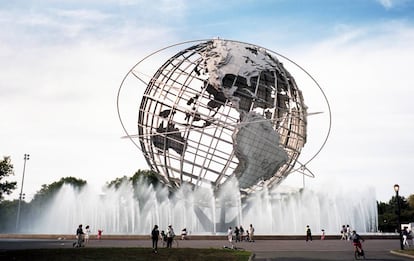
[237,233]
[100,234]
[308,233]
[323,234]
[163,237]
[251,233]
[230,237]
[184,234]
[87,233]
[170,236]
[79,237]
[405,237]
[241,233]
[155,235]
[348,233]
[343,232]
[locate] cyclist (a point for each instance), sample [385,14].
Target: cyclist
[356,240]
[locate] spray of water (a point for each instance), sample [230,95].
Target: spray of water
[135,210]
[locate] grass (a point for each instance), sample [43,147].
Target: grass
[72,254]
[406,252]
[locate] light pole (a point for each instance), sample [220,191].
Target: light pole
[21,195]
[396,189]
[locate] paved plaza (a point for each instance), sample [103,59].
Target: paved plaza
[290,250]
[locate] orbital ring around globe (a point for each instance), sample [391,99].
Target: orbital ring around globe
[219,110]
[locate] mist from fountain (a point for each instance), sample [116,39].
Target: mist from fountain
[129,210]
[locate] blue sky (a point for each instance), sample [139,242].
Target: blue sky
[63,61]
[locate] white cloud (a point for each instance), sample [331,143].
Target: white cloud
[366,73]
[386,3]
[82,14]
[390,4]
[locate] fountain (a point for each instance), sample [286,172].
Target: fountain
[129,210]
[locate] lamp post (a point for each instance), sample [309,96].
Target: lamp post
[397,189]
[21,195]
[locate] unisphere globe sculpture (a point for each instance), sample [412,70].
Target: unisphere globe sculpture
[221,109]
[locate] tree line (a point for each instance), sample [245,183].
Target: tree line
[387,211]
[42,198]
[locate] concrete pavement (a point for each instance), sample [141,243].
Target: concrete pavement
[376,249]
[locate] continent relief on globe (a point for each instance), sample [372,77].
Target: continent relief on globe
[234,70]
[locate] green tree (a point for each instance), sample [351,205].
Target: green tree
[140,177]
[117,182]
[6,169]
[387,213]
[8,214]
[148,176]
[48,191]
[387,219]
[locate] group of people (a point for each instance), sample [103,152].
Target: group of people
[240,234]
[166,237]
[346,233]
[82,237]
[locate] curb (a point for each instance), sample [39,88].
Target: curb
[395,252]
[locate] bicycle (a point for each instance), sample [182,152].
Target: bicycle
[359,254]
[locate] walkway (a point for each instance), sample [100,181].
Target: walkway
[289,250]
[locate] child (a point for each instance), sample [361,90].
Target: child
[87,233]
[184,234]
[163,237]
[100,234]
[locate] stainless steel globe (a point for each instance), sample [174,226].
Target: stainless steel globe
[219,110]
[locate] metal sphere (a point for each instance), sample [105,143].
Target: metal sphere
[222,109]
